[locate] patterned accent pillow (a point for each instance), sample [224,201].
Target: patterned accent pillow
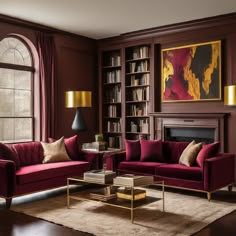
[190,153]
[55,152]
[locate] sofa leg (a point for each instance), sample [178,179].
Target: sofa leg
[230,187]
[209,196]
[8,202]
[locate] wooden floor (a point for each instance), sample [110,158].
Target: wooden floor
[17,224]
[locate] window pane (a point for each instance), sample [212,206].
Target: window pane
[13,51]
[22,103]
[6,130]
[23,129]
[7,103]
[6,78]
[23,79]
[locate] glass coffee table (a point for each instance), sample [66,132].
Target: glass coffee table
[107,194]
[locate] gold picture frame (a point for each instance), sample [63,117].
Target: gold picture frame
[191,72]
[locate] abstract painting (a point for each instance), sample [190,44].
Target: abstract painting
[192,72]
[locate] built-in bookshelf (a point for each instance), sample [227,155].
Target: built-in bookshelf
[112,98]
[137,91]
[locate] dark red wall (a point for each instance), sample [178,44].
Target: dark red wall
[198,31]
[75,69]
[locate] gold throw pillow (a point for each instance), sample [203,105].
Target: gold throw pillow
[55,152]
[190,153]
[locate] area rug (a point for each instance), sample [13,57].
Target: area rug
[185,214]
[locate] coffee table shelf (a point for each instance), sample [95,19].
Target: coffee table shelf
[131,205]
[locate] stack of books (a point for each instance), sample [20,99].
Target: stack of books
[125,193]
[100,176]
[133,180]
[103,194]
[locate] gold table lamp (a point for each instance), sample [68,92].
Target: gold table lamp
[77,100]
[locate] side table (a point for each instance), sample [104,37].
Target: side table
[103,155]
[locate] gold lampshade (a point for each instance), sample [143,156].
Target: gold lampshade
[230,95]
[78,99]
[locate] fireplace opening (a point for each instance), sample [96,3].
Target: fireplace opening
[186,134]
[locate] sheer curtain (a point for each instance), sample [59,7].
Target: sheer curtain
[46,51]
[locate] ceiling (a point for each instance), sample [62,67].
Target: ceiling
[106,18]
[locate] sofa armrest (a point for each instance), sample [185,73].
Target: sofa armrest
[218,171]
[113,160]
[7,178]
[91,157]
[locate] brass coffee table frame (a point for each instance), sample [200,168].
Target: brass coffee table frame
[116,202]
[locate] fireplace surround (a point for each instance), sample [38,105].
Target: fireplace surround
[202,127]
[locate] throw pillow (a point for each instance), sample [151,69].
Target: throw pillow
[71,145]
[190,153]
[151,150]
[8,152]
[207,151]
[132,148]
[55,152]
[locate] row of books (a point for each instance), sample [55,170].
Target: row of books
[140,52]
[114,141]
[113,94]
[140,94]
[112,76]
[113,60]
[142,66]
[138,109]
[112,111]
[113,126]
[136,80]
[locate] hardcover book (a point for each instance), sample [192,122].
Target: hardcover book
[100,176]
[126,194]
[133,180]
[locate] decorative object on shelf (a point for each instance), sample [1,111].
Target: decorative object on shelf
[98,137]
[230,95]
[134,127]
[78,99]
[192,72]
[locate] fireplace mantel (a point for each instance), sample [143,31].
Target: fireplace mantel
[160,121]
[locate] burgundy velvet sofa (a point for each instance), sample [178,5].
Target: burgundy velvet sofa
[211,170]
[22,171]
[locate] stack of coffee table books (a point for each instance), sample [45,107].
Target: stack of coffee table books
[133,180]
[100,176]
[103,194]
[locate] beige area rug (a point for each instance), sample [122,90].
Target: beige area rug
[185,214]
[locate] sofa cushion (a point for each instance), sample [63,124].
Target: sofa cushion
[8,152]
[55,152]
[179,171]
[138,167]
[39,172]
[133,150]
[151,151]
[207,151]
[72,146]
[172,150]
[29,153]
[189,155]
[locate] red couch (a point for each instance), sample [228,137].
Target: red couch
[22,171]
[211,170]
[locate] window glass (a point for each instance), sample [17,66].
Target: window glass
[16,95]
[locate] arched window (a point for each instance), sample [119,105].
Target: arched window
[16,91]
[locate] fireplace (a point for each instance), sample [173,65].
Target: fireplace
[201,127]
[187,134]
